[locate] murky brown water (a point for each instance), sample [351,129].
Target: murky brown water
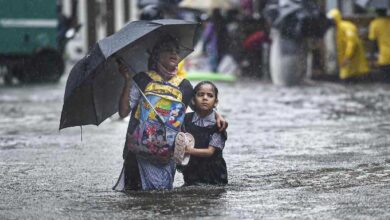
[320,150]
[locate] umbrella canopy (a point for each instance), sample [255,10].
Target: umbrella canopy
[94,84]
[206,5]
[384,4]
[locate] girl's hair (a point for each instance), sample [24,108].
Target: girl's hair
[153,58]
[197,88]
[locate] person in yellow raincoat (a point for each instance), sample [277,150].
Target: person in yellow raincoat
[351,54]
[379,34]
[181,70]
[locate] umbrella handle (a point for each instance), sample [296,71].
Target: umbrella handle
[160,118]
[120,61]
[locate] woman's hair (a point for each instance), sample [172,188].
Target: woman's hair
[161,43]
[197,88]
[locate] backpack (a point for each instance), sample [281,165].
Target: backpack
[153,138]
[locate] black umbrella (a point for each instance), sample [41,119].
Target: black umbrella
[94,84]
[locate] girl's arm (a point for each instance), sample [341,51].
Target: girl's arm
[217,142]
[205,152]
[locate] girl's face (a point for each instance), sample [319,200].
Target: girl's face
[205,99]
[168,56]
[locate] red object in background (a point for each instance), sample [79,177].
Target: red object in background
[253,41]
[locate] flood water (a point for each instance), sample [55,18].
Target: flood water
[317,151]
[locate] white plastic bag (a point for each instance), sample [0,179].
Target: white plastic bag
[228,65]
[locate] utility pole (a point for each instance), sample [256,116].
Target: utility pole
[110,18]
[126,7]
[91,23]
[74,11]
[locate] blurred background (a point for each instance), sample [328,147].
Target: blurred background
[39,37]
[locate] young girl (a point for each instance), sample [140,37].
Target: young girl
[206,165]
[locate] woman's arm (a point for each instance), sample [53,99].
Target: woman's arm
[124,101]
[205,152]
[222,124]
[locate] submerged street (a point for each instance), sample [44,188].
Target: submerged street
[319,150]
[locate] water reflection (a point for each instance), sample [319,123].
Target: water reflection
[316,151]
[182,201]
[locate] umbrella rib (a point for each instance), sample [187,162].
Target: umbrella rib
[180,45]
[187,48]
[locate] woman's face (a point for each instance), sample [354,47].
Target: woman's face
[169,56]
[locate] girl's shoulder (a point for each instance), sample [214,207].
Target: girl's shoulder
[206,122]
